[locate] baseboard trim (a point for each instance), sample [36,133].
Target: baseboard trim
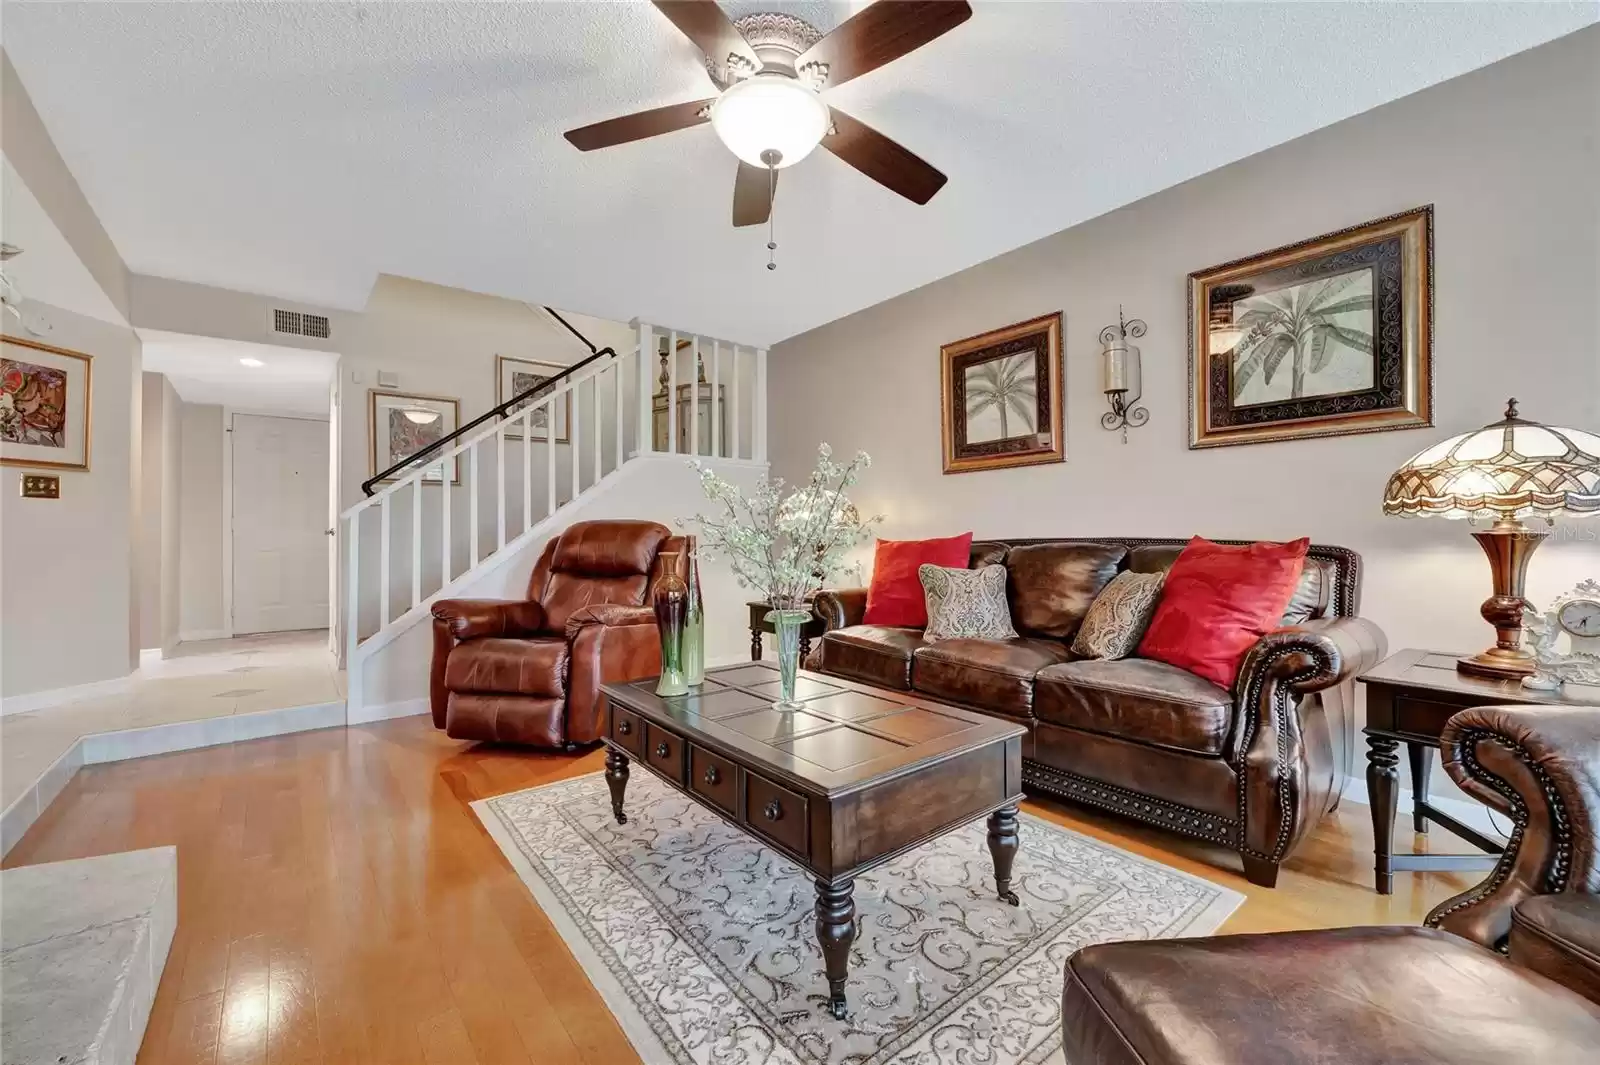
[366,715]
[100,747]
[1473,814]
[41,700]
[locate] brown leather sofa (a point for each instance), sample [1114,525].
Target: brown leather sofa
[529,671]
[1254,768]
[1508,971]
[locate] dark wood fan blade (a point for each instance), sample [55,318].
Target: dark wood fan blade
[881,34]
[881,159]
[639,125]
[753,188]
[704,23]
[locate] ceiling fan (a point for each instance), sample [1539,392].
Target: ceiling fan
[770,69]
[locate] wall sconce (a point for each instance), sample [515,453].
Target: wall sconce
[1120,375]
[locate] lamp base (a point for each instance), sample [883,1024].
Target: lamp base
[1509,544]
[1498,664]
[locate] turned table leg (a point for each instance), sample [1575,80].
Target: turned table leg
[1383,794]
[1003,849]
[755,645]
[617,781]
[836,930]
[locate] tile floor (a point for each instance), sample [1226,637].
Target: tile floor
[202,681]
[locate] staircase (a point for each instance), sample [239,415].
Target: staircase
[437,526]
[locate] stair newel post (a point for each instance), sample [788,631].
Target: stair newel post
[643,392]
[352,608]
[550,452]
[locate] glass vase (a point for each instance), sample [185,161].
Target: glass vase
[694,626]
[786,626]
[671,601]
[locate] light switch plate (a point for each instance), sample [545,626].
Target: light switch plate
[41,486]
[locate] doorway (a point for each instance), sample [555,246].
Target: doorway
[279,521]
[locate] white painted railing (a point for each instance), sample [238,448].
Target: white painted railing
[423,535]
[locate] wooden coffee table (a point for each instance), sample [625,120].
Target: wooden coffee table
[854,779]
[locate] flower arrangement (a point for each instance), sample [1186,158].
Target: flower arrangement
[786,546]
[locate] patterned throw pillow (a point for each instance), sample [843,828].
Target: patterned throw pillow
[966,604]
[1119,615]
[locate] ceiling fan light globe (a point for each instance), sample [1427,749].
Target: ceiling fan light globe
[770,113]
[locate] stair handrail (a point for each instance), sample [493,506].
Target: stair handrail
[416,457]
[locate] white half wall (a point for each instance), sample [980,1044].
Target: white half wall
[1517,287]
[394,680]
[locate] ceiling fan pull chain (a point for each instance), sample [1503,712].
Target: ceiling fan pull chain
[772,207]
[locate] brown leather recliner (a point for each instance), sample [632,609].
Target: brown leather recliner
[1253,768]
[529,671]
[1443,995]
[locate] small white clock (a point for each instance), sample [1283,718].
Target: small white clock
[1580,618]
[1576,613]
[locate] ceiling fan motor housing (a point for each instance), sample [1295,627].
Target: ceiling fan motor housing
[777,40]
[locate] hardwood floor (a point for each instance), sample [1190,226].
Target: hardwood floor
[340,903]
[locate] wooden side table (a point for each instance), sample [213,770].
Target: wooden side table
[812,630]
[1410,695]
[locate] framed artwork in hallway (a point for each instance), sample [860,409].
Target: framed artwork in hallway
[1330,336]
[516,376]
[1001,394]
[403,423]
[44,405]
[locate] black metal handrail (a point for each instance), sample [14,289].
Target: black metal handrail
[417,458]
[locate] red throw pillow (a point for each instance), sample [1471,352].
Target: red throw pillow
[895,596]
[1218,601]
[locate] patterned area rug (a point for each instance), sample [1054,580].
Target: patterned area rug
[701,939]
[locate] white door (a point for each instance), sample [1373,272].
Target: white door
[280,514]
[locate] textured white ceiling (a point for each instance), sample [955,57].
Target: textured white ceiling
[298,149]
[208,370]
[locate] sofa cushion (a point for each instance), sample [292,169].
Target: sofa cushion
[966,604]
[872,654]
[1352,996]
[1136,699]
[509,667]
[895,595]
[993,675]
[1559,937]
[1052,585]
[1218,600]
[1118,616]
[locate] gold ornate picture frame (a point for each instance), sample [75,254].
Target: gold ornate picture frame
[400,424]
[1326,337]
[1002,397]
[46,405]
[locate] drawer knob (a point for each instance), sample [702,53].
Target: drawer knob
[773,811]
[662,749]
[624,728]
[712,776]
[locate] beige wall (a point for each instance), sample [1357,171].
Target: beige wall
[1508,155]
[160,489]
[67,593]
[200,610]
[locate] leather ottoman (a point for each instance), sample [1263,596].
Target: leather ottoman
[1349,996]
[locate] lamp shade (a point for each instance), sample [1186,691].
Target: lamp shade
[1512,468]
[770,112]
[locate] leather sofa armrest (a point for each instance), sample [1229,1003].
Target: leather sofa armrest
[1558,936]
[840,608]
[1294,692]
[607,643]
[1540,766]
[474,619]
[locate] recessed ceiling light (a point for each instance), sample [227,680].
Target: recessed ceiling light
[248,361]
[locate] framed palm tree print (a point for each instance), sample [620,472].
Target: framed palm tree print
[1330,336]
[1002,397]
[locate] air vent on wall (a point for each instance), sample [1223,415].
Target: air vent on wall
[300,325]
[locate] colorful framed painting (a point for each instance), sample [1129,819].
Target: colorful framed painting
[1002,400]
[515,376]
[403,423]
[1330,336]
[44,405]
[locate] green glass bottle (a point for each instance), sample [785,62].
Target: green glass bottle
[670,598]
[694,623]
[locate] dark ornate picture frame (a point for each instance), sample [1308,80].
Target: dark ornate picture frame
[1387,319]
[1027,392]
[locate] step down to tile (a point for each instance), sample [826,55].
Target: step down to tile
[82,946]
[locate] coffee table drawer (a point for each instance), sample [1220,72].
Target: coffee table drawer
[664,751]
[714,779]
[627,730]
[777,813]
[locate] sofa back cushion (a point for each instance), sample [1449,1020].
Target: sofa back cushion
[1218,600]
[1052,584]
[594,562]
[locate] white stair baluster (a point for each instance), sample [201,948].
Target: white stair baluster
[694,396]
[574,434]
[472,500]
[383,562]
[416,542]
[446,562]
[738,401]
[643,427]
[500,486]
[759,426]
[617,458]
[717,409]
[672,392]
[550,451]
[526,415]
